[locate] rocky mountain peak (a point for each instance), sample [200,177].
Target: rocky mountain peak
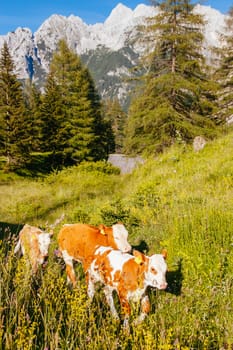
[109,49]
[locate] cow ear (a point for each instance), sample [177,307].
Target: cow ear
[138,257]
[164,253]
[138,260]
[102,229]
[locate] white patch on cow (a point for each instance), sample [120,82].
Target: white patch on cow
[67,258]
[117,259]
[120,235]
[101,250]
[44,242]
[68,261]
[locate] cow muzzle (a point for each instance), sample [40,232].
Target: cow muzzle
[127,249]
[162,286]
[45,261]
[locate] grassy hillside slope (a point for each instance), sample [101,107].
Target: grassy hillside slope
[181,201]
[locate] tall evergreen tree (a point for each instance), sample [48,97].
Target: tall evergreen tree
[32,97]
[52,117]
[224,74]
[177,100]
[114,113]
[14,135]
[86,133]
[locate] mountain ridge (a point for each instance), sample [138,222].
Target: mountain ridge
[116,39]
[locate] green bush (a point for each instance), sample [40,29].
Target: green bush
[100,166]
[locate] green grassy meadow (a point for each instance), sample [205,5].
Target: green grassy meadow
[181,201]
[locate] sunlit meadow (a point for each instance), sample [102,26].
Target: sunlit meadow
[181,201]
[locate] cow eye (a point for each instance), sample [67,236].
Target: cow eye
[153,270]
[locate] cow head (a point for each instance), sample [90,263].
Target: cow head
[117,236]
[120,235]
[155,268]
[44,240]
[156,272]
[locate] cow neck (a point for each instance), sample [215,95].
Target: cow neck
[142,268]
[110,241]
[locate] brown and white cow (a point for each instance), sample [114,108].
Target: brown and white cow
[79,241]
[34,244]
[129,275]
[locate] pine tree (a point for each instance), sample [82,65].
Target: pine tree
[178,98]
[14,134]
[84,129]
[117,118]
[32,97]
[52,116]
[224,74]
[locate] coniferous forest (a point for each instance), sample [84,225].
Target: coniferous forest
[178,96]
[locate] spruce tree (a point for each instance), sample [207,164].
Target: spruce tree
[177,100]
[52,116]
[85,132]
[14,133]
[224,74]
[114,113]
[32,97]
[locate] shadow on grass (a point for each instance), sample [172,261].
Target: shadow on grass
[141,247]
[41,164]
[8,230]
[175,279]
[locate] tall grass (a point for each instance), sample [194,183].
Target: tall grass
[182,201]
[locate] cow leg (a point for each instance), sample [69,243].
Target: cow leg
[110,301]
[90,287]
[34,267]
[145,309]
[126,311]
[69,268]
[70,274]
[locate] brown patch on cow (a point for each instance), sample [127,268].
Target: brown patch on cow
[132,275]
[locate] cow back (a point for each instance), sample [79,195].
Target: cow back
[80,240]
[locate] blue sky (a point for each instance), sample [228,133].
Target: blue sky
[31,14]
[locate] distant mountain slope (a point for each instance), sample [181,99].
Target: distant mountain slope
[110,49]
